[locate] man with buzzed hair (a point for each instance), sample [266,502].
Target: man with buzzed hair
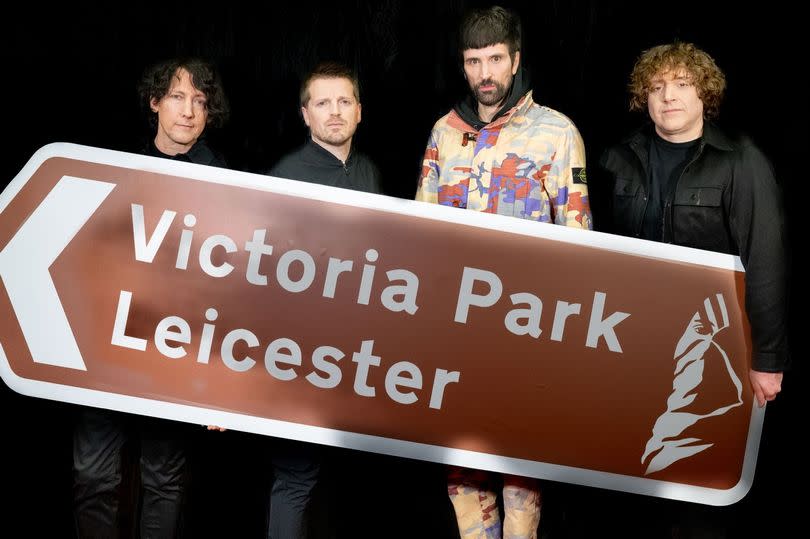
[330,107]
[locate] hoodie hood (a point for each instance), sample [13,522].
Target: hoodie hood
[467,108]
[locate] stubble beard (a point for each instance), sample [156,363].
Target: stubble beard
[335,139]
[489,99]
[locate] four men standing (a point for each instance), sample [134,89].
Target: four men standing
[678,180]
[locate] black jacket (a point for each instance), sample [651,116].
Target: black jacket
[312,163]
[726,200]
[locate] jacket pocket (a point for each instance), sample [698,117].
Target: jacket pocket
[710,197]
[626,207]
[699,219]
[625,188]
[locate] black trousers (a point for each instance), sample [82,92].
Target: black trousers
[97,441]
[296,466]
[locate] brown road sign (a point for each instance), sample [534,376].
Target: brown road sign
[362,321]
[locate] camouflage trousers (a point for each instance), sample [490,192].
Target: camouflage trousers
[475,501]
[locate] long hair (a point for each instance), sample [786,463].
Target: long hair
[157,80]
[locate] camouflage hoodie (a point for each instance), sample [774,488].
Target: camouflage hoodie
[528,162]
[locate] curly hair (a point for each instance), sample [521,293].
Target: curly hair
[157,81]
[709,81]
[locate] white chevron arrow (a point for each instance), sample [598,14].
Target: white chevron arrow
[25,264]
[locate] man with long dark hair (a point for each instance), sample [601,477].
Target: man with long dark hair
[184,97]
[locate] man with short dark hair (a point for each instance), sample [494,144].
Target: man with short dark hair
[499,152]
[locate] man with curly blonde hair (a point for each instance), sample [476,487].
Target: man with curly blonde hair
[681,180]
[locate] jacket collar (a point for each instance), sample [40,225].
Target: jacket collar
[712,136]
[199,153]
[467,108]
[522,106]
[324,156]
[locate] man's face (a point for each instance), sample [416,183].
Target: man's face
[182,115]
[489,72]
[332,112]
[674,106]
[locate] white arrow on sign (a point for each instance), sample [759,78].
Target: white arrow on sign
[26,260]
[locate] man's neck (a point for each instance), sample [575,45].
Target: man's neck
[340,151]
[486,113]
[694,132]
[167,146]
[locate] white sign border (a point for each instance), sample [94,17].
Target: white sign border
[363,442]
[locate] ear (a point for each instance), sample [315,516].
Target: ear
[516,62]
[305,114]
[359,112]
[153,104]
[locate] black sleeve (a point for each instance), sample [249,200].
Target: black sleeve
[375,179]
[219,161]
[756,220]
[282,169]
[600,192]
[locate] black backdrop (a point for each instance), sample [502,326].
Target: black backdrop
[69,74]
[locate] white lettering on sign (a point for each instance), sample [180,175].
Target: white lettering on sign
[526,321]
[295,269]
[283,357]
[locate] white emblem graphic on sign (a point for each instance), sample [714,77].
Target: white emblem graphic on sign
[667,445]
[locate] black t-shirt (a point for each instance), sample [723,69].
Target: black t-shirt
[200,153]
[667,161]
